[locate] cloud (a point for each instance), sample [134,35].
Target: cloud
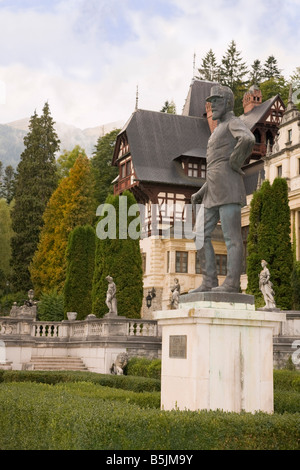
[86,57]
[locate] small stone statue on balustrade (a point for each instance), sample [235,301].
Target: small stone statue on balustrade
[266,287]
[175,294]
[28,310]
[111,300]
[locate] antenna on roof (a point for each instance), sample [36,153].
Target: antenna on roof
[194,65]
[137,98]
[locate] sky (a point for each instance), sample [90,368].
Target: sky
[87,57]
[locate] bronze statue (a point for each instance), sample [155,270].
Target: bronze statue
[223,194]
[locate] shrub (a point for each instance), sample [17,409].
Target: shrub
[51,306]
[6,301]
[79,417]
[144,367]
[136,384]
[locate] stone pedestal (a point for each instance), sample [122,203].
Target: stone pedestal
[217,353]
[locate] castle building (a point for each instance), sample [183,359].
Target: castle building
[162,160]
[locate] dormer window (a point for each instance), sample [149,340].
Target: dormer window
[195,168]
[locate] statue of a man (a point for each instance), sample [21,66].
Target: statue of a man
[111,300]
[223,194]
[266,286]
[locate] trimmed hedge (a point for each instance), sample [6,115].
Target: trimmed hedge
[136,384]
[80,416]
[144,367]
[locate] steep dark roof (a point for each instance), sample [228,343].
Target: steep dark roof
[257,113]
[156,140]
[196,99]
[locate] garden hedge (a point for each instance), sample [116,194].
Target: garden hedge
[84,416]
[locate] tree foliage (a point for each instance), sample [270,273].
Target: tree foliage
[66,161]
[169,107]
[72,204]
[35,182]
[5,238]
[121,259]
[269,239]
[104,172]
[80,257]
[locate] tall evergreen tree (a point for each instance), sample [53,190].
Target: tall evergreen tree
[209,69]
[269,239]
[35,182]
[80,258]
[104,172]
[5,238]
[169,107]
[232,73]
[270,69]
[256,73]
[120,258]
[72,204]
[8,185]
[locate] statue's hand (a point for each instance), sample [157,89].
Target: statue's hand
[235,166]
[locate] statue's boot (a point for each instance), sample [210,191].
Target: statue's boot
[205,286]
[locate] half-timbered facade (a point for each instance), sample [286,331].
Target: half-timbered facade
[162,160]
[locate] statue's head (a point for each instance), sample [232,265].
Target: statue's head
[221,99]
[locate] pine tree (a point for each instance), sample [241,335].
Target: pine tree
[80,258]
[121,259]
[8,185]
[71,204]
[104,172]
[256,73]
[209,69]
[35,182]
[169,107]
[271,69]
[232,74]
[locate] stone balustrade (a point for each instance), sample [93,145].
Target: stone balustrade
[97,327]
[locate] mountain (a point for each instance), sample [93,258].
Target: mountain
[12,135]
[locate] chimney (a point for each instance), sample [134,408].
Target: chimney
[212,124]
[252,98]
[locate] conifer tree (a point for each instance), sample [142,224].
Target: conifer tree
[209,69]
[271,69]
[35,182]
[80,257]
[104,172]
[121,259]
[71,204]
[232,74]
[256,73]
[5,238]
[269,239]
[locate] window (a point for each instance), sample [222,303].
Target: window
[196,169]
[168,261]
[181,262]
[290,135]
[128,168]
[197,264]
[279,171]
[144,257]
[221,262]
[298,166]
[123,171]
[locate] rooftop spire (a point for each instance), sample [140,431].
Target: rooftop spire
[137,98]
